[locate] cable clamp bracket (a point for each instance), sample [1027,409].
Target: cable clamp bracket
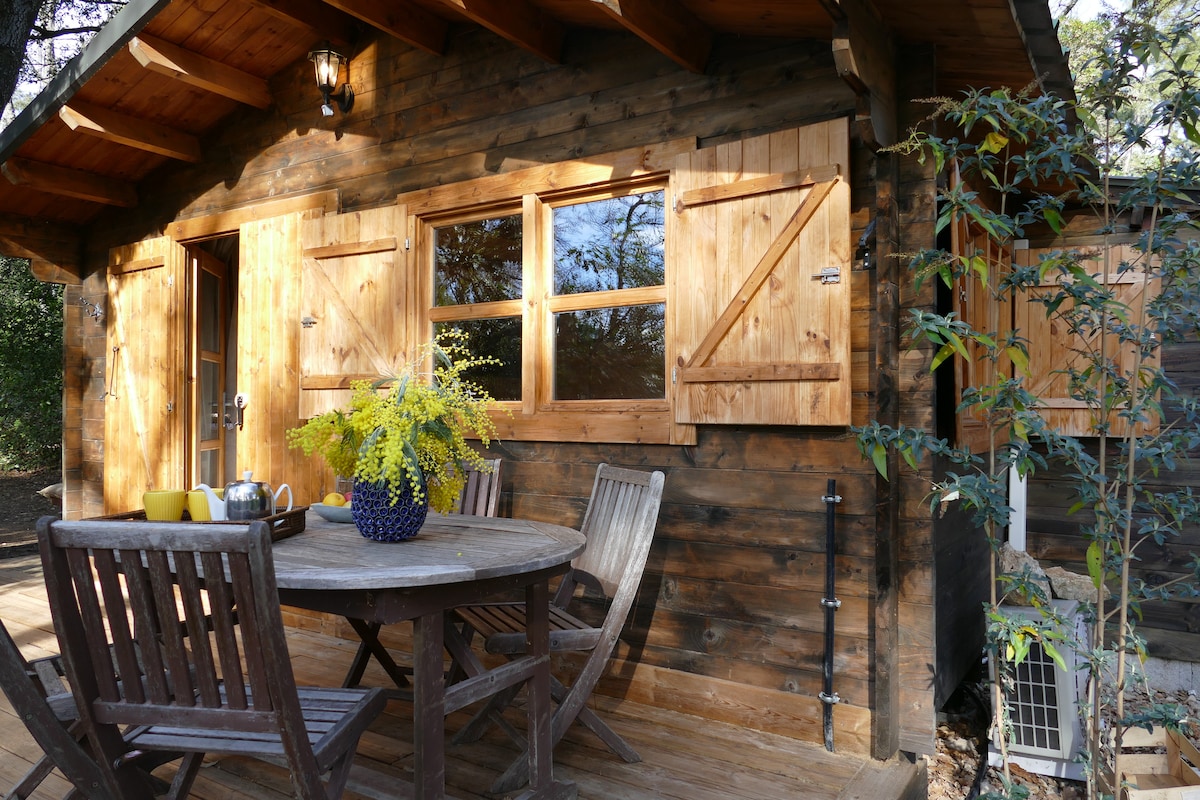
[830,699]
[835,604]
[831,498]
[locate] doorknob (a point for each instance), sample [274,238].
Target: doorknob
[238,420]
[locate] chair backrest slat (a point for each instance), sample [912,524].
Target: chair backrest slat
[175,583]
[224,623]
[141,604]
[623,508]
[481,492]
[168,629]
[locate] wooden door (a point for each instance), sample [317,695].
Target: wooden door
[357,300]
[144,402]
[206,369]
[760,280]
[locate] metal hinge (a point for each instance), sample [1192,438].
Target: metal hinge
[829,275]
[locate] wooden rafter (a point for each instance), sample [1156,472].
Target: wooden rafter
[53,250]
[69,182]
[520,22]
[667,26]
[142,134]
[864,55]
[319,20]
[199,71]
[399,18]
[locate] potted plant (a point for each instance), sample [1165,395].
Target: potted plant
[403,438]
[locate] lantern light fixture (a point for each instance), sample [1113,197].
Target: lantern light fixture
[328,65]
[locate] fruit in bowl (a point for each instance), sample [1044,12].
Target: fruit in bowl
[334,499]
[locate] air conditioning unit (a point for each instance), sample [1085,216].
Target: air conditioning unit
[1045,702]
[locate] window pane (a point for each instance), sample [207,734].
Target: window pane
[477,262]
[499,338]
[610,354]
[209,312]
[208,421]
[616,243]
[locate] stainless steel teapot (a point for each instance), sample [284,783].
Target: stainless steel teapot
[250,499]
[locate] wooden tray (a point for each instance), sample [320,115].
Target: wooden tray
[283,524]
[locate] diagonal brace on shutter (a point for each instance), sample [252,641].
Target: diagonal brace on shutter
[754,281]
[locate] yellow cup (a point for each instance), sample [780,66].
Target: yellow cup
[164,505]
[197,506]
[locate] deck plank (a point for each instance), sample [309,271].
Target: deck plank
[684,757]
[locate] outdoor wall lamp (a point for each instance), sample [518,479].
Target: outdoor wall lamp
[328,65]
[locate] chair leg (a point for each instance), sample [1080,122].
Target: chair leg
[185,776]
[492,712]
[33,778]
[591,720]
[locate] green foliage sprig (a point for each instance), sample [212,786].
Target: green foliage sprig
[410,430]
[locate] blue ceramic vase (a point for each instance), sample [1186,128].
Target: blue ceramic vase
[376,517]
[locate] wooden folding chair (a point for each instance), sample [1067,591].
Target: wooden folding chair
[480,496]
[233,692]
[619,525]
[40,700]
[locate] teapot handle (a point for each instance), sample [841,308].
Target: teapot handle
[279,491]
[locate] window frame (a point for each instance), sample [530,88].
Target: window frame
[538,415]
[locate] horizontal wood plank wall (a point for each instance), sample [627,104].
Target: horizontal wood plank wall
[729,623]
[1172,629]
[731,594]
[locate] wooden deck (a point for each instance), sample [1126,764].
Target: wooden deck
[684,757]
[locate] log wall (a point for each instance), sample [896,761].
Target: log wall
[729,623]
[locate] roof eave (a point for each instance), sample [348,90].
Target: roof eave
[114,35]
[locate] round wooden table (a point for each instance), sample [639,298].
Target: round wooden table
[454,560]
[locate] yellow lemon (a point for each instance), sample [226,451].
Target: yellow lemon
[334,499]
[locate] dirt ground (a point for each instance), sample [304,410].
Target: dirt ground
[20,508]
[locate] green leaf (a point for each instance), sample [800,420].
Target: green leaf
[1095,563]
[879,458]
[1052,651]
[945,352]
[1054,219]
[993,143]
[1019,359]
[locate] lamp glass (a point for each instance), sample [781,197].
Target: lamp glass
[327,64]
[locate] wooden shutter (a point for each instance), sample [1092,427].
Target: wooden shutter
[1053,348]
[269,306]
[358,303]
[144,425]
[760,280]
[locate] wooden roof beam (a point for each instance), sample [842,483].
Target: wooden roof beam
[864,54]
[320,21]
[667,26]
[69,182]
[522,23]
[52,249]
[398,18]
[196,70]
[142,134]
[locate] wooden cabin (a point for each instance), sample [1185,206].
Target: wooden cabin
[233,254]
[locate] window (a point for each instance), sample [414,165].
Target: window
[635,295]
[568,292]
